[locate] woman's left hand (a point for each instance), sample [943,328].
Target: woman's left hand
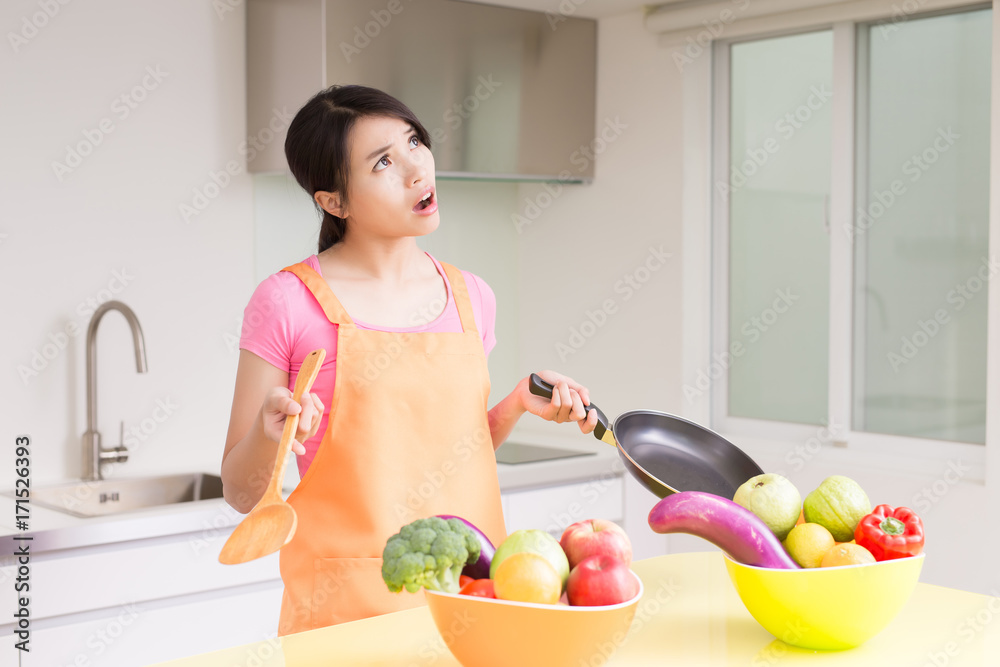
[566,404]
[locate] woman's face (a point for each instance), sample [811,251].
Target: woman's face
[392,173]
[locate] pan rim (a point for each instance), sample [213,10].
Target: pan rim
[660,413]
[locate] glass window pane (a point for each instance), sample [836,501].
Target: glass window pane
[778,195]
[920,232]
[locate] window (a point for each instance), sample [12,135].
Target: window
[850,239]
[920,233]
[779,250]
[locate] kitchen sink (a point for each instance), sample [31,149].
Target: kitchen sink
[113,496]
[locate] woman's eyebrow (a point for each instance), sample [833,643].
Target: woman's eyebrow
[377,151]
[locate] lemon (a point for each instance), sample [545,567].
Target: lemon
[807,543]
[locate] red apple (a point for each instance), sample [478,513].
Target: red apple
[595,537]
[600,580]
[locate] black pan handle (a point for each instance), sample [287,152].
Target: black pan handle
[539,387]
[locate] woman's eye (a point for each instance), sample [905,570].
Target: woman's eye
[382,163]
[414,141]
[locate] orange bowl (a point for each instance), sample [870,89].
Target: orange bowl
[482,632]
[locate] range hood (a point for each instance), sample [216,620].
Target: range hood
[506,94]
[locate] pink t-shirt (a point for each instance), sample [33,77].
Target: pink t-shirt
[283,323]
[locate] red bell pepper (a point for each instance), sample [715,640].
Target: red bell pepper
[891,533]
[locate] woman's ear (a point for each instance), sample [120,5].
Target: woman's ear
[331,203]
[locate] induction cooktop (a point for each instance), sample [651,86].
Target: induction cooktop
[515,452]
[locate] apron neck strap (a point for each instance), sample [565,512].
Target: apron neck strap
[337,315]
[324,295]
[461,294]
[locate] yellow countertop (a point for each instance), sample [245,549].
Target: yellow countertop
[689,615]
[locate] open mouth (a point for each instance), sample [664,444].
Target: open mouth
[425,203]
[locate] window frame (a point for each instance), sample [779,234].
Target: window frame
[861,448]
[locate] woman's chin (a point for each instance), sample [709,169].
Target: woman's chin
[428,224]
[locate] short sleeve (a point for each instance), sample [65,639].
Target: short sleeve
[484,306]
[266,329]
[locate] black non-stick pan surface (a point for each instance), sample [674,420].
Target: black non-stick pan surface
[667,453]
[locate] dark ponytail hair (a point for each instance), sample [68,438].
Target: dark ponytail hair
[317,146]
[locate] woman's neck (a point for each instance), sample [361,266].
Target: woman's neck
[384,260]
[385,284]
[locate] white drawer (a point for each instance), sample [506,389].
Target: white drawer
[556,507]
[148,632]
[112,575]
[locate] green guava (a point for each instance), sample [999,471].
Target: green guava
[838,504]
[774,499]
[537,541]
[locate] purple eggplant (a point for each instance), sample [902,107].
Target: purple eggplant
[481,568]
[734,529]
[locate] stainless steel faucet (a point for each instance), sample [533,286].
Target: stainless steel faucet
[93,454]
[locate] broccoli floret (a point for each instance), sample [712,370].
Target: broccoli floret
[429,553]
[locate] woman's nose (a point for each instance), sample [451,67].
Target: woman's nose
[419,165]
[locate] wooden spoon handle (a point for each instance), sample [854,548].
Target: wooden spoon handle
[303,383]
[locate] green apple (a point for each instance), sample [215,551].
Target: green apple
[838,504]
[537,541]
[772,498]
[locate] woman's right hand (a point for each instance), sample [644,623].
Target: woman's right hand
[278,404]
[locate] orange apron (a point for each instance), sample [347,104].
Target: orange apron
[407,437]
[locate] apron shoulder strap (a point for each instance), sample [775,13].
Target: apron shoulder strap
[324,295]
[461,293]
[337,315]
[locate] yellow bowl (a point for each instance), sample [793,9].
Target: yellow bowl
[482,632]
[826,608]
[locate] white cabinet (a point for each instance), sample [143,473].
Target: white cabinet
[540,108]
[142,601]
[143,633]
[113,575]
[553,508]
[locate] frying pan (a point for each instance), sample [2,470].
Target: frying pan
[667,453]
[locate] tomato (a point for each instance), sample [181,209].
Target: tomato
[463,580]
[480,588]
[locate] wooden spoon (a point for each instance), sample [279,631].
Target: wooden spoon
[270,525]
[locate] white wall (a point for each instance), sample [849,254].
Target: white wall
[476,235]
[63,241]
[583,257]
[580,250]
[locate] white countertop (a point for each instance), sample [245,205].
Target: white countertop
[602,461]
[52,530]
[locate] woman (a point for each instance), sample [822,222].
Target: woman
[407,433]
